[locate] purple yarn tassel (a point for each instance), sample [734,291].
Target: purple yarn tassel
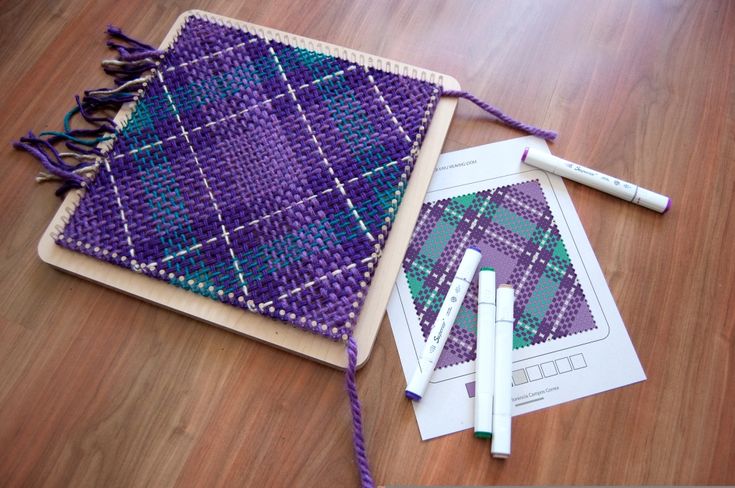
[134,59]
[116,32]
[53,167]
[549,135]
[358,440]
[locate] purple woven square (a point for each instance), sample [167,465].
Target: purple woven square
[258,174]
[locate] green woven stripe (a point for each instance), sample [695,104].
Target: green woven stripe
[545,239]
[559,263]
[319,65]
[140,127]
[168,209]
[416,276]
[483,206]
[542,297]
[374,210]
[226,84]
[204,91]
[466,319]
[525,330]
[193,270]
[352,123]
[455,211]
[514,222]
[431,251]
[277,254]
[173,224]
[437,241]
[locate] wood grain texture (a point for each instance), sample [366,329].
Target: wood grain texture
[99,389]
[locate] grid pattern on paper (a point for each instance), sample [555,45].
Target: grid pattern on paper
[514,228]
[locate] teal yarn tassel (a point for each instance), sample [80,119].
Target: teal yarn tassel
[95,107]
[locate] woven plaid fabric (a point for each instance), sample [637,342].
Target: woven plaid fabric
[258,174]
[515,231]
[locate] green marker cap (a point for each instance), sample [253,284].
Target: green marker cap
[483,435]
[487,268]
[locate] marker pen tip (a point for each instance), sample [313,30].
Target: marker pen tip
[668,206]
[412,396]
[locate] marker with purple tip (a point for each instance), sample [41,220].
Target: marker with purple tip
[599,181]
[444,320]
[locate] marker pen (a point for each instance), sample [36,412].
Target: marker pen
[444,321]
[598,181]
[485,360]
[503,379]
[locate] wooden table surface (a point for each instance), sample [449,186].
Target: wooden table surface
[99,389]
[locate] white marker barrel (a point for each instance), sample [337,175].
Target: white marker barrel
[599,181]
[443,324]
[485,354]
[503,365]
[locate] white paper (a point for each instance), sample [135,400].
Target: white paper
[556,371]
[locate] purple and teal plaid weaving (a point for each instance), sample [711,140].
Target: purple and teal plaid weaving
[258,174]
[514,229]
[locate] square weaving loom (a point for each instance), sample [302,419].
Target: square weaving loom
[263,173]
[514,229]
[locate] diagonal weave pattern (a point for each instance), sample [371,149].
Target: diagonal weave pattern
[515,230]
[259,174]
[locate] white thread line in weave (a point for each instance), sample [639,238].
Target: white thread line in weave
[385,104]
[536,255]
[316,280]
[120,208]
[524,205]
[236,114]
[279,211]
[318,146]
[465,239]
[291,91]
[212,55]
[152,268]
[473,224]
[506,241]
[225,234]
[560,315]
[524,278]
[461,343]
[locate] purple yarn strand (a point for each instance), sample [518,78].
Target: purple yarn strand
[137,56]
[105,123]
[115,31]
[81,149]
[48,164]
[59,160]
[549,135]
[39,144]
[358,439]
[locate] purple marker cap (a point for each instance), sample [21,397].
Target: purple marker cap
[668,206]
[475,248]
[525,153]
[412,396]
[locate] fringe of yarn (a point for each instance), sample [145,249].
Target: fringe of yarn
[358,440]
[549,135]
[97,107]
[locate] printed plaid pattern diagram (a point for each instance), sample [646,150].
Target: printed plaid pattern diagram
[259,174]
[514,228]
